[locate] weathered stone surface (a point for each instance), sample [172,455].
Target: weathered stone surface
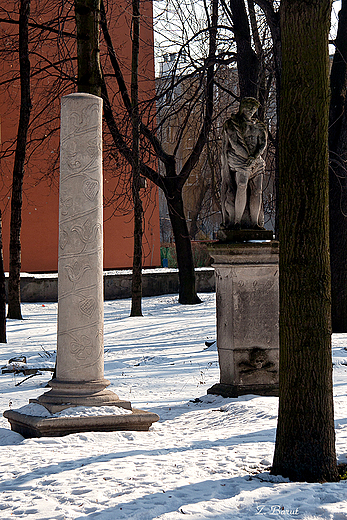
[247,317]
[78,394]
[31,426]
[80,282]
[244,142]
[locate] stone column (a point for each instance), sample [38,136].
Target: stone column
[80,348]
[247,295]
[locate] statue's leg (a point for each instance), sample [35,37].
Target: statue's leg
[229,205]
[224,208]
[241,178]
[225,174]
[255,201]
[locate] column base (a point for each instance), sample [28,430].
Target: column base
[32,426]
[65,394]
[237,390]
[85,393]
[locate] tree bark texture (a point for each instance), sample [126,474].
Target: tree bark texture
[198,199]
[87,14]
[136,287]
[14,309]
[247,60]
[2,292]
[186,274]
[305,441]
[338,177]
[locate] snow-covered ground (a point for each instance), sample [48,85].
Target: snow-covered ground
[207,457]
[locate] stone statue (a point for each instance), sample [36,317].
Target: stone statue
[244,142]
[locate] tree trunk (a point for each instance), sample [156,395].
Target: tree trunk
[87,14]
[273,21]
[14,310]
[305,441]
[186,273]
[171,183]
[136,287]
[2,292]
[195,197]
[173,194]
[247,60]
[338,177]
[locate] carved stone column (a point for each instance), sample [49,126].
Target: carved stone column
[247,297]
[80,262]
[80,349]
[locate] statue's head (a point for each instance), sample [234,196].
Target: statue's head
[249,106]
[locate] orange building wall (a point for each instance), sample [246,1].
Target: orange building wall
[39,236]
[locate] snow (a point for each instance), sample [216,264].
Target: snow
[113,272]
[37,410]
[207,457]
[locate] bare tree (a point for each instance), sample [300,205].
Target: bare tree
[305,439]
[172,182]
[201,74]
[248,62]
[14,308]
[45,73]
[136,290]
[338,176]
[87,13]
[2,293]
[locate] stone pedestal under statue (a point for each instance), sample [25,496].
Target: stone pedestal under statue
[80,348]
[247,296]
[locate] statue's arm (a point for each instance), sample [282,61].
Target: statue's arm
[224,156]
[261,142]
[262,139]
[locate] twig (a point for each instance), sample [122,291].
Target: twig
[32,375]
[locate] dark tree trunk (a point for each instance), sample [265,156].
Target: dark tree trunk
[273,21]
[172,186]
[87,14]
[247,60]
[14,310]
[338,177]
[305,441]
[136,287]
[172,183]
[2,292]
[338,80]
[195,210]
[186,273]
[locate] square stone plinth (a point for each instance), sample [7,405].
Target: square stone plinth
[32,426]
[247,371]
[247,300]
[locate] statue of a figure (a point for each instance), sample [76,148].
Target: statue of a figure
[244,142]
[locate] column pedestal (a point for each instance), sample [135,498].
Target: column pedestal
[247,301]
